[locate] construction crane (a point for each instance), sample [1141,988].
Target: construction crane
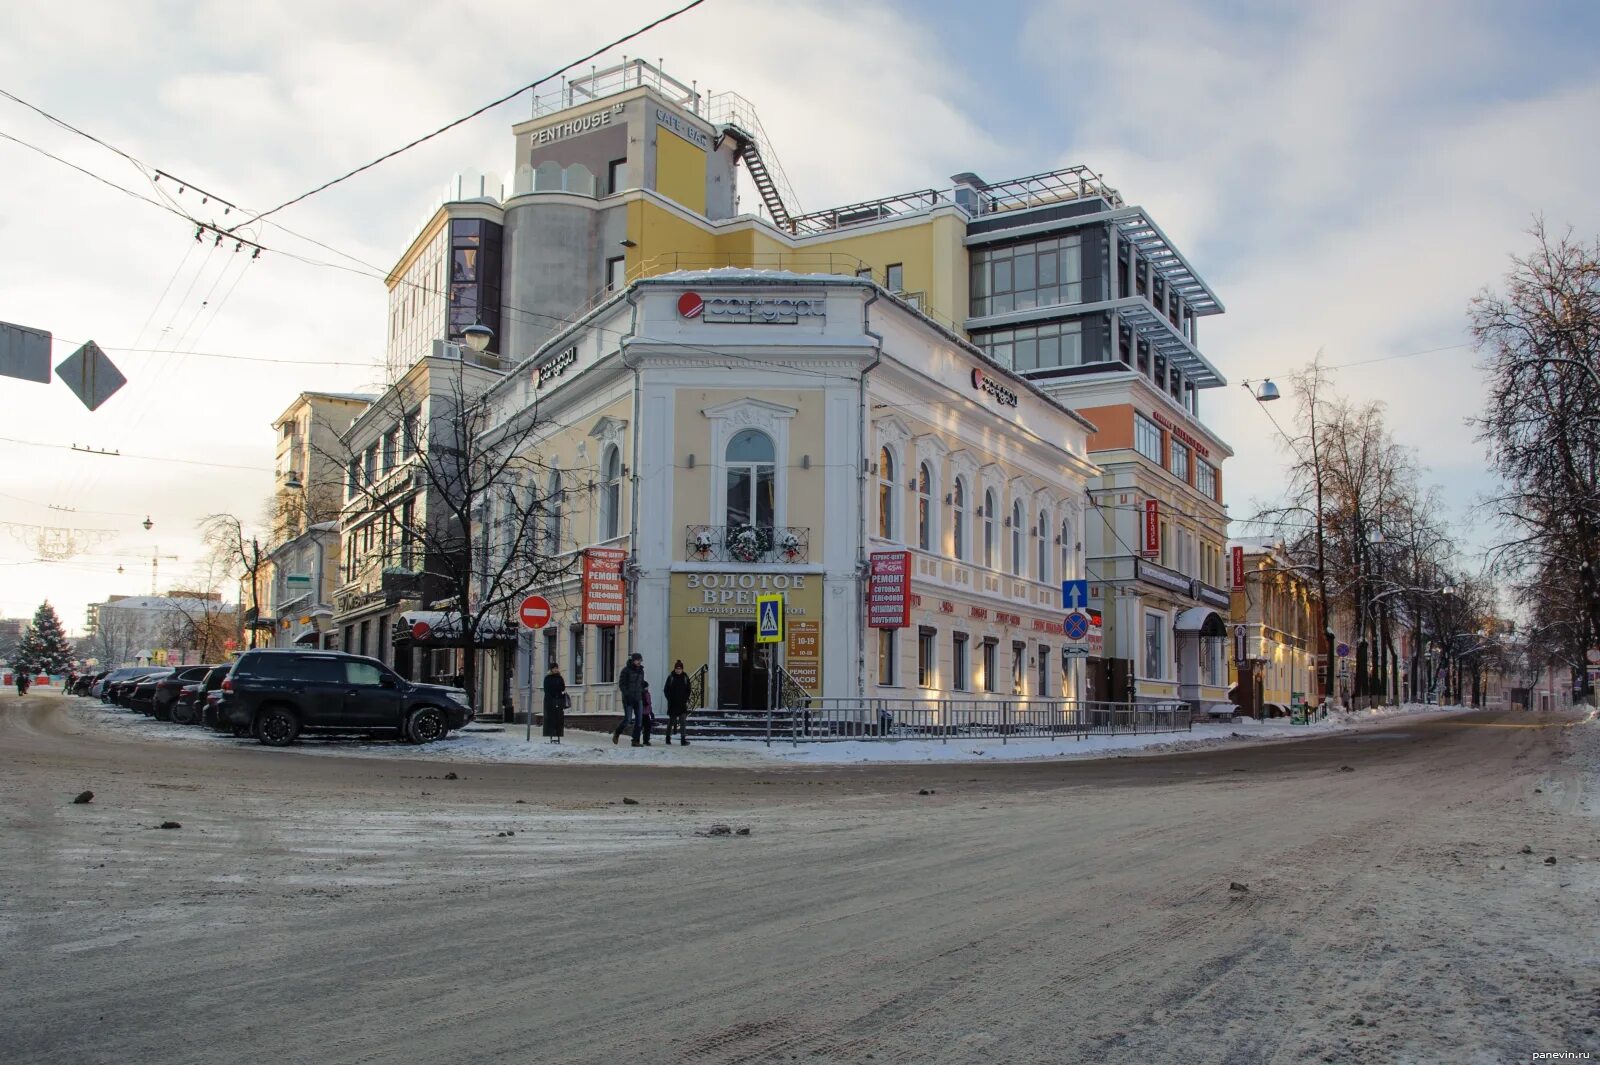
[155,564]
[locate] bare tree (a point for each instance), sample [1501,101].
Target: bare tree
[236,554]
[482,534]
[119,634]
[1541,342]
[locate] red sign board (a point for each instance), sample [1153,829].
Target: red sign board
[1152,527]
[1238,567]
[604,596]
[889,590]
[420,630]
[534,612]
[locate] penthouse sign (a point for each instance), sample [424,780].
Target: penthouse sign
[751,310]
[572,127]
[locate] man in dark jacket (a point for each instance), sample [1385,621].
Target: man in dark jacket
[631,683]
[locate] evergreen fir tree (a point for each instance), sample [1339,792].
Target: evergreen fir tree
[44,647]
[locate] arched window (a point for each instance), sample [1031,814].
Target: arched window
[611,493]
[924,507]
[1066,550]
[553,501]
[1019,558]
[988,529]
[958,519]
[752,479]
[1042,535]
[886,493]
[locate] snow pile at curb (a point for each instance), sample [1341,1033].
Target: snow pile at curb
[590,748]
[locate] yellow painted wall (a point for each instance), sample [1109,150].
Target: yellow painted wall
[693,490]
[666,241]
[931,251]
[680,171]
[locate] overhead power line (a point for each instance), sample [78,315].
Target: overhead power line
[468,117]
[127,455]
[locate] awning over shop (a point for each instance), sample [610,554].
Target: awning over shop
[1201,619]
[443,628]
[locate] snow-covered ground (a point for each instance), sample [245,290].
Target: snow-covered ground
[491,743]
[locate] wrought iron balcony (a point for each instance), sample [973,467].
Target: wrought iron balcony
[748,544]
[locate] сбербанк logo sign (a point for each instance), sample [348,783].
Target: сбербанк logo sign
[751,310]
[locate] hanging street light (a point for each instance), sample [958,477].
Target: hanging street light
[477,336]
[147,523]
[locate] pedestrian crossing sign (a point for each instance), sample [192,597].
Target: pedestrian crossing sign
[769,619]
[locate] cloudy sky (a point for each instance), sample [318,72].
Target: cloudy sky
[1347,177]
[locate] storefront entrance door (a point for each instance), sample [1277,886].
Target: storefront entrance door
[741,667]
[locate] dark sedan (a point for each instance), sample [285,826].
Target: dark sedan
[169,688]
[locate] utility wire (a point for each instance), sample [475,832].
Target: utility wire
[142,458]
[468,117]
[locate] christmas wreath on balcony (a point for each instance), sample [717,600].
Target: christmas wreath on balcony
[749,543]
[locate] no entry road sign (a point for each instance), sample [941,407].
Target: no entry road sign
[535,612]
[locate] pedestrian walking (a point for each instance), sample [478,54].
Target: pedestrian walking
[22,683]
[676,690]
[556,701]
[647,717]
[630,682]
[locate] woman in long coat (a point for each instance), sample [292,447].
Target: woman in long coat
[555,704]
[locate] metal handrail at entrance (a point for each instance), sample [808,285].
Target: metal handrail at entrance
[819,720]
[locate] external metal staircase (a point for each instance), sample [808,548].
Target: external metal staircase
[733,115]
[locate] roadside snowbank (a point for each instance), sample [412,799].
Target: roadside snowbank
[491,743]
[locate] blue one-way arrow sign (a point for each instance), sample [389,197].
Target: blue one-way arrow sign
[1074,594]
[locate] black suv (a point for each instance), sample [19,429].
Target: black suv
[277,695]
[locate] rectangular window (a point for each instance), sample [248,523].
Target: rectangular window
[1147,438]
[1155,649]
[888,672]
[410,434]
[575,671]
[616,176]
[408,534]
[1043,691]
[1038,273]
[866,272]
[550,659]
[391,448]
[352,482]
[616,273]
[1180,461]
[895,277]
[370,463]
[1019,667]
[925,655]
[986,663]
[1205,478]
[958,662]
[1041,347]
[608,651]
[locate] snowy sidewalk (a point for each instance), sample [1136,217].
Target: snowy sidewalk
[492,743]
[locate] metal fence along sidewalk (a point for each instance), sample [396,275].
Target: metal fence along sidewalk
[824,720]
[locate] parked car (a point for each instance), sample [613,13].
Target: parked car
[122,690]
[278,695]
[85,682]
[143,693]
[168,688]
[102,687]
[191,705]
